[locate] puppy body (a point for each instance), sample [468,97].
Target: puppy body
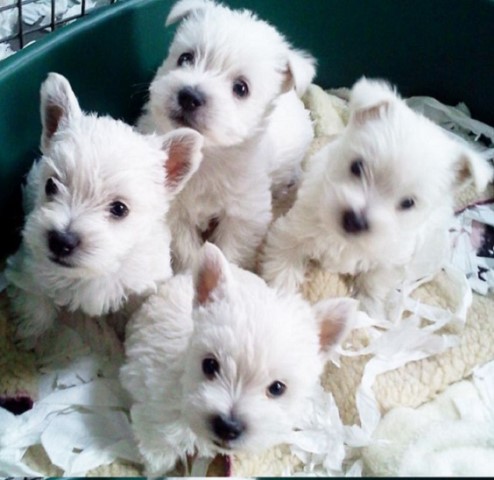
[377,202]
[95,233]
[219,362]
[235,79]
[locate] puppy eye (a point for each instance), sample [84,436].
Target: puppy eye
[240,88]
[357,168]
[119,209]
[210,367]
[407,203]
[51,187]
[276,389]
[186,58]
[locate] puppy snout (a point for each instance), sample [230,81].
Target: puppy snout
[62,244]
[227,428]
[354,222]
[190,99]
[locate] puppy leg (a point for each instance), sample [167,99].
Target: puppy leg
[239,238]
[284,258]
[185,242]
[372,289]
[243,226]
[162,442]
[33,314]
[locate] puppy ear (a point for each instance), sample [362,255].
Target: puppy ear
[59,106]
[370,100]
[183,8]
[184,155]
[469,166]
[334,316]
[212,275]
[301,71]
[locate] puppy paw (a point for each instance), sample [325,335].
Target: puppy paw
[375,308]
[32,315]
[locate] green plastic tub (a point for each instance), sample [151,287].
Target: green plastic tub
[441,48]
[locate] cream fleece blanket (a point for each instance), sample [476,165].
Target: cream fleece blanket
[411,385]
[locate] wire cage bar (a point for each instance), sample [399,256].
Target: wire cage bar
[17,32]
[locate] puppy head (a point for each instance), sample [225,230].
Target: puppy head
[100,188]
[392,174]
[223,71]
[255,356]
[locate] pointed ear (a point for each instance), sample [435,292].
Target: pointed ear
[335,317]
[183,8]
[59,106]
[471,166]
[370,100]
[364,115]
[212,275]
[183,147]
[301,70]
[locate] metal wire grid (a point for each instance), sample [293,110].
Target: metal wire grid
[26,33]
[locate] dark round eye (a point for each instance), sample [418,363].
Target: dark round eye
[210,367]
[276,389]
[240,88]
[119,209]
[51,188]
[407,203]
[357,168]
[186,58]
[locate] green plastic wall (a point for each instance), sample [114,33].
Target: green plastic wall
[442,48]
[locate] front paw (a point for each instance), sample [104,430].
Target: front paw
[374,307]
[32,316]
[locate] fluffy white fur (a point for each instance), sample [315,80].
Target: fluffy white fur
[252,142]
[376,203]
[95,233]
[256,335]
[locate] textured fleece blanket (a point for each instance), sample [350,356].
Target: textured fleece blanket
[375,384]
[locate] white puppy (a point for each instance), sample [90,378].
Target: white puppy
[377,202]
[95,234]
[236,80]
[220,362]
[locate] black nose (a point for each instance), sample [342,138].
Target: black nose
[62,244]
[190,99]
[227,428]
[354,222]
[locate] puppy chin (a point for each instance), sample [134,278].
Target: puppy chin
[224,447]
[62,262]
[246,443]
[213,137]
[178,119]
[80,265]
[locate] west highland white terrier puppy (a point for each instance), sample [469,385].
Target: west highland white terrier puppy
[237,81]
[218,362]
[377,202]
[95,234]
